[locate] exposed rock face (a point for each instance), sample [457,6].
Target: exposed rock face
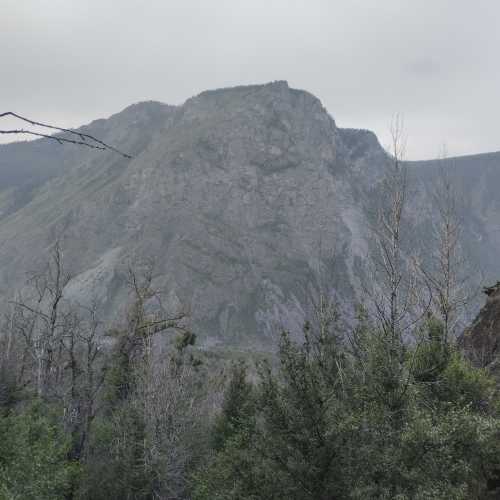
[481,341]
[481,344]
[238,194]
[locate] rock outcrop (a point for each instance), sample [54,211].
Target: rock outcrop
[481,341]
[241,195]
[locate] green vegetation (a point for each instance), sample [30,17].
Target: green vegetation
[34,462]
[341,422]
[343,415]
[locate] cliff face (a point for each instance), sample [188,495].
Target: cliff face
[481,341]
[241,196]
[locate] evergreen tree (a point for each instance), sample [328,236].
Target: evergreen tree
[33,456]
[333,423]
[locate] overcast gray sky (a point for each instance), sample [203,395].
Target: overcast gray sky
[436,61]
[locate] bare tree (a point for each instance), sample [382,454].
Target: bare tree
[42,321]
[9,359]
[7,339]
[162,391]
[73,136]
[397,300]
[393,292]
[84,360]
[446,269]
[171,402]
[58,344]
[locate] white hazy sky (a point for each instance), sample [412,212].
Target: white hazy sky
[436,61]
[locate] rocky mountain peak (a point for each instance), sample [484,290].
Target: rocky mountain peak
[240,195]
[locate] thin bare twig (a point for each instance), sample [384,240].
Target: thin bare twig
[60,140]
[82,136]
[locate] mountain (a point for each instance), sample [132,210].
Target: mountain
[241,195]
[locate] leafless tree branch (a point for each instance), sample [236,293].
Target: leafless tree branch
[81,141]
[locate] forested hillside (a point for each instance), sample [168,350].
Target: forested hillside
[139,412]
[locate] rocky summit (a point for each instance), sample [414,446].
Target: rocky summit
[242,196]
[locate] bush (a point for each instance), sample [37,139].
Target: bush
[33,457]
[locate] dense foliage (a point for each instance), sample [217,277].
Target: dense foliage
[349,416]
[343,422]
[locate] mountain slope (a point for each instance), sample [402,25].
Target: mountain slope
[238,194]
